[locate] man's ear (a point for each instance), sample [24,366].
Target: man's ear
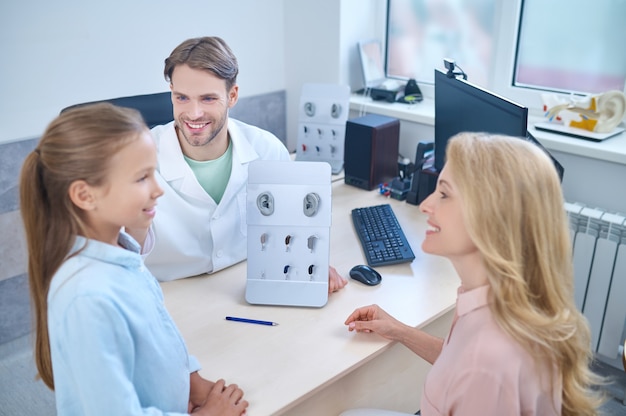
[233,96]
[82,195]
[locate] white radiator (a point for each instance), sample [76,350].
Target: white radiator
[599,244]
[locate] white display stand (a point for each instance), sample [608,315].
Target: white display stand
[322,119]
[288,216]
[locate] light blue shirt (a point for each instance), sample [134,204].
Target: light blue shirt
[115,349]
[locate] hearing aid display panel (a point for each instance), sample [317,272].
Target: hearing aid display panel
[322,119]
[288,210]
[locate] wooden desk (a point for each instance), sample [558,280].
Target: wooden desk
[310,363]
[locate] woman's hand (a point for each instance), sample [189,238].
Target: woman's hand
[374,319]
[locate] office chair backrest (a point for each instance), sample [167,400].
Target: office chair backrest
[156,109]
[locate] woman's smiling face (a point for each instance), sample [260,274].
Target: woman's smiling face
[447,234]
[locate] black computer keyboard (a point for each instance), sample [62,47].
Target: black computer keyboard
[382,238]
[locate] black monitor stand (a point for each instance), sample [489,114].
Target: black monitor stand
[424,180]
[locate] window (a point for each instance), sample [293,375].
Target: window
[571,45]
[421,33]
[516,48]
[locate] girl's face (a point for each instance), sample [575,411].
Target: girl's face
[128,198]
[446,234]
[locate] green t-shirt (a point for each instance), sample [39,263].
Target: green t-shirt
[213,175]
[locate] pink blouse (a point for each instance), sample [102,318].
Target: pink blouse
[482,371]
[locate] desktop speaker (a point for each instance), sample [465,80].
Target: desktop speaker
[371,150]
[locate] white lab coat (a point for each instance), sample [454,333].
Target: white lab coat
[191,234]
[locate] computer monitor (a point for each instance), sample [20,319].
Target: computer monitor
[461,106]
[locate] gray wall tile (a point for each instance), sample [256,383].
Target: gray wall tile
[15,313]
[11,157]
[267,111]
[13,257]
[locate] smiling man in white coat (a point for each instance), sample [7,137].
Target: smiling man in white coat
[203,160]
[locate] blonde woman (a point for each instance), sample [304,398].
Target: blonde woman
[518,345]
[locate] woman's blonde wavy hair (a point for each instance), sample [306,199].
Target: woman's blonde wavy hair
[514,211]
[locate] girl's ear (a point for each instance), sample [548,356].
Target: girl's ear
[82,195]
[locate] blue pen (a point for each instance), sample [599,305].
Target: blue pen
[250,321]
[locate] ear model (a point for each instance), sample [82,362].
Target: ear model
[265,203]
[611,106]
[309,109]
[310,204]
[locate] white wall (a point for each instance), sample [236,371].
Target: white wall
[320,45]
[58,53]
[311,52]
[360,20]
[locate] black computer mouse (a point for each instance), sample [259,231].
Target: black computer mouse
[365,274]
